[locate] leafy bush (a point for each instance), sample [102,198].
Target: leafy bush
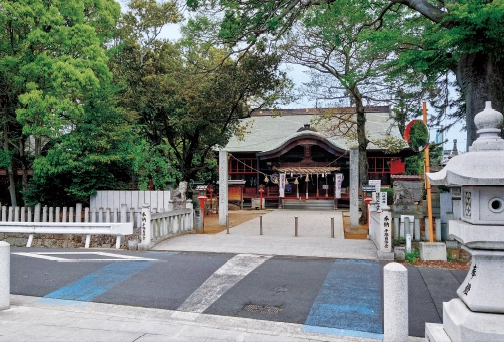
[398,242]
[412,257]
[453,254]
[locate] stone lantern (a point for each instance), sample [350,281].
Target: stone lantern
[478,313]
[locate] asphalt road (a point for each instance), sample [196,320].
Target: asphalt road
[335,296]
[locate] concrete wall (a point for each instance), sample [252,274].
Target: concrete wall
[65,240]
[133,199]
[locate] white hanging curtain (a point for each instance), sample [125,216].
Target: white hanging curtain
[282,185]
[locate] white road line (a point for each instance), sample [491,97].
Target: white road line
[41,256]
[222,280]
[111,259]
[112,256]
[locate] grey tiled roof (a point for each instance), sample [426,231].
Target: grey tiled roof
[269,132]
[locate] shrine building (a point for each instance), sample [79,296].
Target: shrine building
[284,157]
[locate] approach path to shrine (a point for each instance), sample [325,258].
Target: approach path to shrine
[313,240]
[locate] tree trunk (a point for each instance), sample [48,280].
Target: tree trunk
[363,166]
[38,147]
[10,173]
[480,77]
[24,162]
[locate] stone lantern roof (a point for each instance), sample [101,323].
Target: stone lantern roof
[484,162]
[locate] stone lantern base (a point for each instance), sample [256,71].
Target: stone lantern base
[462,324]
[478,315]
[482,290]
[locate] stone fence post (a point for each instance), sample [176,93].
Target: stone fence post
[385,229]
[4,275]
[189,205]
[36,214]
[395,303]
[78,212]
[145,228]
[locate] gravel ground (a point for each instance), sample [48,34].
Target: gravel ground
[449,265]
[235,218]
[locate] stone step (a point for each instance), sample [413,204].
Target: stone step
[309,204]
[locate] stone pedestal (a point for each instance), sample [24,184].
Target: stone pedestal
[462,324]
[400,253]
[478,313]
[435,333]
[482,289]
[432,251]
[4,275]
[395,303]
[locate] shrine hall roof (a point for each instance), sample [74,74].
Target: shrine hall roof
[270,129]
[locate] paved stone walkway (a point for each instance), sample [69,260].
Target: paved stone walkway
[281,223]
[41,319]
[313,240]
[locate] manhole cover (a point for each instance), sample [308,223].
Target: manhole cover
[262,308]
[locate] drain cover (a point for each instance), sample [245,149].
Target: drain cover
[262,308]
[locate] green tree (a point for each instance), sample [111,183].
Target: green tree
[415,165]
[434,37]
[57,102]
[152,166]
[187,96]
[96,152]
[347,67]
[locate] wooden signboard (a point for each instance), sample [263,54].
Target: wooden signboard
[235,193]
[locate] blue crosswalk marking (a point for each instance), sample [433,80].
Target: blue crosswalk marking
[99,282]
[349,302]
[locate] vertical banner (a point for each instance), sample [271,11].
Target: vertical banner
[282,185]
[338,180]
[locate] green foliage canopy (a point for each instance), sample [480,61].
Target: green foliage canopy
[57,99]
[188,97]
[433,39]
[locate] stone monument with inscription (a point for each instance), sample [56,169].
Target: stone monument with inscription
[405,195]
[478,313]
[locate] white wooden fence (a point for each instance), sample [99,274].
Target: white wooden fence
[67,214]
[151,226]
